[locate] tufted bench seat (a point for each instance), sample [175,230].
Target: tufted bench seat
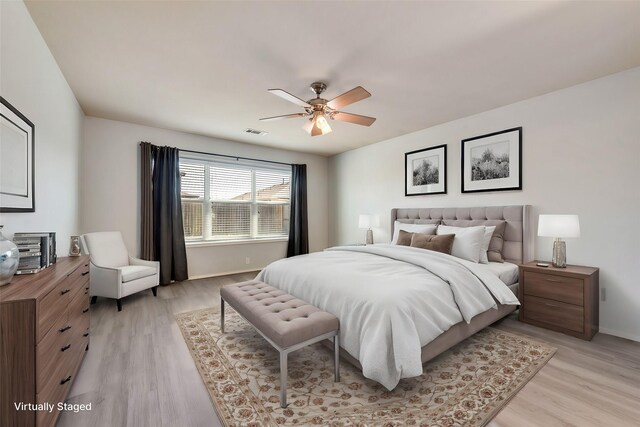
[286,322]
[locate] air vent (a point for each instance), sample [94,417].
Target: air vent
[255,132]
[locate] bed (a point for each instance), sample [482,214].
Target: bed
[398,306]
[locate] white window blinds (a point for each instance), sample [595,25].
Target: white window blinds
[222,200]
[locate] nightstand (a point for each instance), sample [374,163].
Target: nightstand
[561,299]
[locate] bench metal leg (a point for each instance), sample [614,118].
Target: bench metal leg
[336,355]
[283,379]
[222,315]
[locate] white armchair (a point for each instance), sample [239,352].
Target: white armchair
[114,273]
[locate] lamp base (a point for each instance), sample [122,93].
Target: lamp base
[369,237]
[559,254]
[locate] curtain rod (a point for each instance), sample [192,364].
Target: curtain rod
[235,157]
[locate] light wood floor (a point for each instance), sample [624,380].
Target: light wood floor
[138,371]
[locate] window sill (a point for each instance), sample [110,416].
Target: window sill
[204,243]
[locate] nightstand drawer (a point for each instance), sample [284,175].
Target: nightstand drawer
[557,314]
[555,287]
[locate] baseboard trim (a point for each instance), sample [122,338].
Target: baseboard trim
[619,334]
[228,273]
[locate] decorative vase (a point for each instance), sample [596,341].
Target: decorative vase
[9,258]
[74,246]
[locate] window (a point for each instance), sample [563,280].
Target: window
[226,200]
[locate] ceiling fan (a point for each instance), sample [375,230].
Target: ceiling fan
[318,109]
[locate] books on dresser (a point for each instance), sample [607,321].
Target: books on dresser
[37,251]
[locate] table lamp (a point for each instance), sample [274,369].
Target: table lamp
[366,222]
[559,226]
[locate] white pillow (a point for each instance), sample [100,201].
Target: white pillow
[411,228]
[467,243]
[488,232]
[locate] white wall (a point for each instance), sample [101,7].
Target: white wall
[31,81]
[110,196]
[581,155]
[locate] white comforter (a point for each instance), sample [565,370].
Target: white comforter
[391,300]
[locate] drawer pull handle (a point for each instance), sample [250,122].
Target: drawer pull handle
[86,334]
[64,291]
[554,280]
[85,310]
[65,328]
[66,380]
[85,273]
[66,347]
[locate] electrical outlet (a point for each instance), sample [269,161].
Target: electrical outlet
[603,294]
[247,260]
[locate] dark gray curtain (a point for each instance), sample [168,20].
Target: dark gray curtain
[146,202]
[298,225]
[168,233]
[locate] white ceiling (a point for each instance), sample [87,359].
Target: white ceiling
[205,67]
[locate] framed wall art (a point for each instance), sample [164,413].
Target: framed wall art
[426,171]
[492,162]
[17,173]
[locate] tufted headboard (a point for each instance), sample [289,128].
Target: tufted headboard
[518,242]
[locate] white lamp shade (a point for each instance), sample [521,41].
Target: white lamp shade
[369,221]
[364,221]
[558,226]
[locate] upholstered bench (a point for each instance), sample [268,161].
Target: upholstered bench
[287,323]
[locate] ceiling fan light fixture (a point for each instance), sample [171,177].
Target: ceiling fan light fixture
[317,125]
[322,124]
[320,108]
[308,126]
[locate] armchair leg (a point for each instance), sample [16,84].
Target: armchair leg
[155,291]
[119,303]
[94,299]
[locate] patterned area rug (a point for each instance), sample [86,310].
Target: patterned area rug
[465,386]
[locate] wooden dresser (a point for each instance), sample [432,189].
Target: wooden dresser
[562,299]
[44,333]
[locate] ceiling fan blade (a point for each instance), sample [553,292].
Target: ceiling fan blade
[354,95]
[286,116]
[354,118]
[291,98]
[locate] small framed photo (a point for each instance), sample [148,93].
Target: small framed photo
[426,171]
[492,162]
[17,173]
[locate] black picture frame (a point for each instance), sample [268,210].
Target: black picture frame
[15,202]
[410,189]
[513,140]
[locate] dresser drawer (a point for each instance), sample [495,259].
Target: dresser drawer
[55,355]
[559,288]
[554,313]
[59,347]
[49,352]
[57,390]
[79,281]
[61,361]
[79,312]
[52,306]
